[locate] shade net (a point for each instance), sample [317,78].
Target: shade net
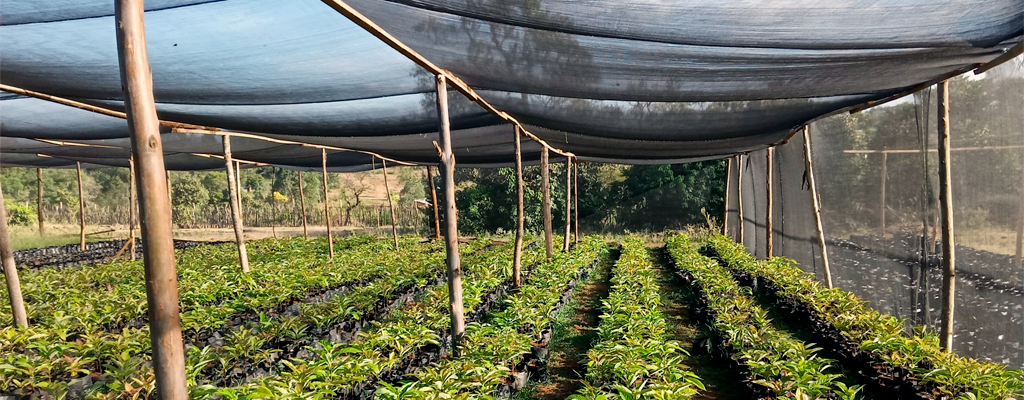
[877,175]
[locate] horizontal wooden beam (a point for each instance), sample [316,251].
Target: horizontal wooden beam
[1010,54]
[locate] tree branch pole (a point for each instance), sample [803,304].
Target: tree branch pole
[327,205]
[39,200]
[1020,227]
[391,204]
[433,201]
[458,317]
[10,270]
[157,235]
[568,204]
[517,258]
[170,200]
[728,181]
[946,208]
[881,196]
[236,206]
[302,199]
[238,186]
[81,207]
[769,205]
[131,206]
[273,204]
[816,202]
[576,197]
[739,200]
[545,188]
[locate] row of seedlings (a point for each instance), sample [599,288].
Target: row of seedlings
[400,343]
[869,341]
[635,357]
[71,255]
[771,363]
[75,355]
[501,352]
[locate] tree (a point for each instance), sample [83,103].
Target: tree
[352,191]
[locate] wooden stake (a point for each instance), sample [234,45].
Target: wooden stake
[236,206]
[131,206]
[769,205]
[576,197]
[433,201]
[273,203]
[728,180]
[881,200]
[545,187]
[391,204]
[327,205]
[10,270]
[816,202]
[1020,227]
[39,200]
[458,317]
[302,198]
[946,207]
[739,200]
[157,235]
[517,254]
[81,207]
[568,204]
[170,199]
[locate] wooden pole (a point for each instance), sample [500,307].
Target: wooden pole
[238,186]
[236,206]
[545,187]
[39,200]
[433,201]
[517,258]
[170,199]
[881,199]
[81,208]
[391,204]
[273,204]
[728,180]
[458,318]
[739,200]
[1020,227]
[302,198]
[327,205]
[816,202]
[946,206]
[568,204]
[576,197]
[769,205]
[131,206]
[157,234]
[10,270]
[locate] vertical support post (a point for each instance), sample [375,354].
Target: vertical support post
[302,199]
[739,200]
[769,205]
[1020,226]
[131,206]
[517,257]
[236,206]
[433,201]
[728,181]
[238,186]
[39,200]
[458,317]
[157,234]
[946,206]
[170,199]
[327,204]
[273,204]
[576,197]
[568,203]
[545,188]
[81,208]
[881,198]
[816,202]
[391,204]
[10,270]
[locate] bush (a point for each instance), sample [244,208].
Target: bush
[20,214]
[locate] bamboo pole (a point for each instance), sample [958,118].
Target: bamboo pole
[881,199]
[236,206]
[131,206]
[517,258]
[81,207]
[10,270]
[576,197]
[728,180]
[157,235]
[568,203]
[302,198]
[769,205]
[458,318]
[327,205]
[545,187]
[816,202]
[946,206]
[433,200]
[739,200]
[391,204]
[39,200]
